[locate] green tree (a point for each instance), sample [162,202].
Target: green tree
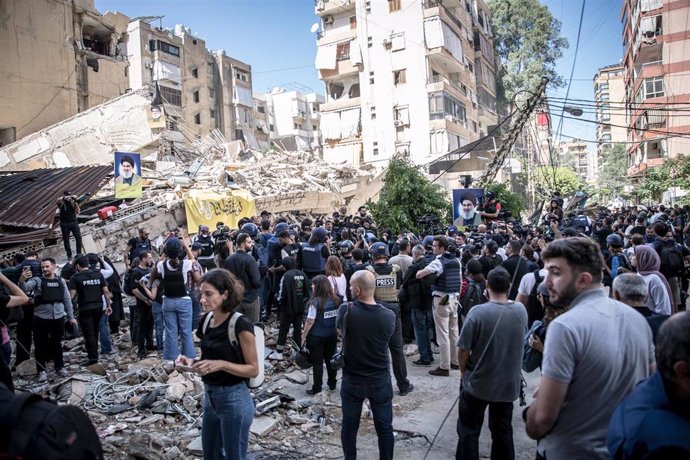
[528,43]
[556,179]
[613,171]
[406,196]
[509,200]
[674,172]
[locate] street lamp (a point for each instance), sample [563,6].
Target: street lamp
[574,111]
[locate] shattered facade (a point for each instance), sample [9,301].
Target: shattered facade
[58,59]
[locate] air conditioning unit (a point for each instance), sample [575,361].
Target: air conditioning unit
[398,123]
[328,20]
[387,42]
[149,65]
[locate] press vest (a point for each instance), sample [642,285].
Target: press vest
[91,292]
[52,291]
[173,282]
[312,261]
[140,247]
[386,283]
[324,324]
[449,281]
[206,243]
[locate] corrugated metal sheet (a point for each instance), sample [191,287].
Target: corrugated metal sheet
[28,198]
[26,237]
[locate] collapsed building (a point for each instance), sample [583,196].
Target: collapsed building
[177,171]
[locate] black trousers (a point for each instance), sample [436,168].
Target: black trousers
[144,327]
[72,228]
[48,338]
[25,330]
[118,313]
[396,347]
[470,421]
[406,319]
[133,318]
[322,350]
[286,319]
[89,321]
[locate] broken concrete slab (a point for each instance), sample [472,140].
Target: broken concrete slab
[262,425]
[97,369]
[195,448]
[27,368]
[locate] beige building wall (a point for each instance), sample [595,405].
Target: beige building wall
[45,75]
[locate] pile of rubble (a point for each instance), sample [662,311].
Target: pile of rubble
[148,409]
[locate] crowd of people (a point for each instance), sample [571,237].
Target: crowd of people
[584,298]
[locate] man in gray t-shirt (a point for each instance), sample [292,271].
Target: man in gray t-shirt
[490,358]
[594,356]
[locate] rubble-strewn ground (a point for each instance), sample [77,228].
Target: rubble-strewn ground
[149,410]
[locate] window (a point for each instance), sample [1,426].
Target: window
[213,114]
[442,105]
[343,51]
[399,77]
[271,128]
[195,96]
[209,66]
[371,78]
[372,110]
[211,93]
[168,48]
[376,148]
[370,42]
[197,119]
[353,22]
[171,96]
[394,5]
[367,6]
[261,109]
[653,87]
[242,76]
[313,127]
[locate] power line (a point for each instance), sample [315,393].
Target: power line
[572,70]
[642,130]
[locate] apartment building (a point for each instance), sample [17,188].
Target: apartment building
[58,59]
[262,120]
[574,154]
[655,75]
[400,77]
[609,100]
[202,89]
[296,115]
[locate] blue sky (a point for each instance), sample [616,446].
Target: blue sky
[273,36]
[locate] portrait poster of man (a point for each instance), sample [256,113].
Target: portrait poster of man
[155,116]
[465,212]
[128,181]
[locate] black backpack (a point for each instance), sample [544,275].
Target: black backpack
[672,263]
[33,428]
[535,310]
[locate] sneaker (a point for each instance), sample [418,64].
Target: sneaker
[407,390]
[439,372]
[421,362]
[63,372]
[312,392]
[276,355]
[455,367]
[42,377]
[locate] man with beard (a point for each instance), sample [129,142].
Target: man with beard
[468,216]
[128,183]
[594,355]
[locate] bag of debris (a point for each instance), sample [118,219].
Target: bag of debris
[35,428]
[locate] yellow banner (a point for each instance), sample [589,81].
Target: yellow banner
[208,208]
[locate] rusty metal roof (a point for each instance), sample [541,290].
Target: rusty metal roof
[28,198]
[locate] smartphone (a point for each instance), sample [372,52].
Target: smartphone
[183,368]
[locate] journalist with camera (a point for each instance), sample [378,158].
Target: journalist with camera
[68,207]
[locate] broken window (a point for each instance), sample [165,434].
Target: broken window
[260,109]
[164,47]
[343,51]
[171,96]
[195,96]
[337,90]
[197,119]
[195,73]
[399,77]
[354,90]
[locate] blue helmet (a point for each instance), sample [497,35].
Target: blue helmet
[428,241]
[250,229]
[379,250]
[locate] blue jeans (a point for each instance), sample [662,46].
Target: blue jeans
[177,313]
[158,323]
[380,395]
[228,414]
[104,329]
[423,321]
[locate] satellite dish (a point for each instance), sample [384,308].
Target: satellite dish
[314,27]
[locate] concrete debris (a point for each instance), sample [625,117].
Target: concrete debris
[194,447]
[262,425]
[97,369]
[27,368]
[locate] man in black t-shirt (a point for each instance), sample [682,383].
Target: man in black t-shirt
[90,288]
[144,310]
[367,329]
[69,209]
[136,246]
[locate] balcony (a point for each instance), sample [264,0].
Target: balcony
[436,8]
[441,57]
[343,68]
[486,116]
[440,83]
[299,115]
[328,7]
[342,103]
[449,123]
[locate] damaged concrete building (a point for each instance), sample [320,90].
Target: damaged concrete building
[59,58]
